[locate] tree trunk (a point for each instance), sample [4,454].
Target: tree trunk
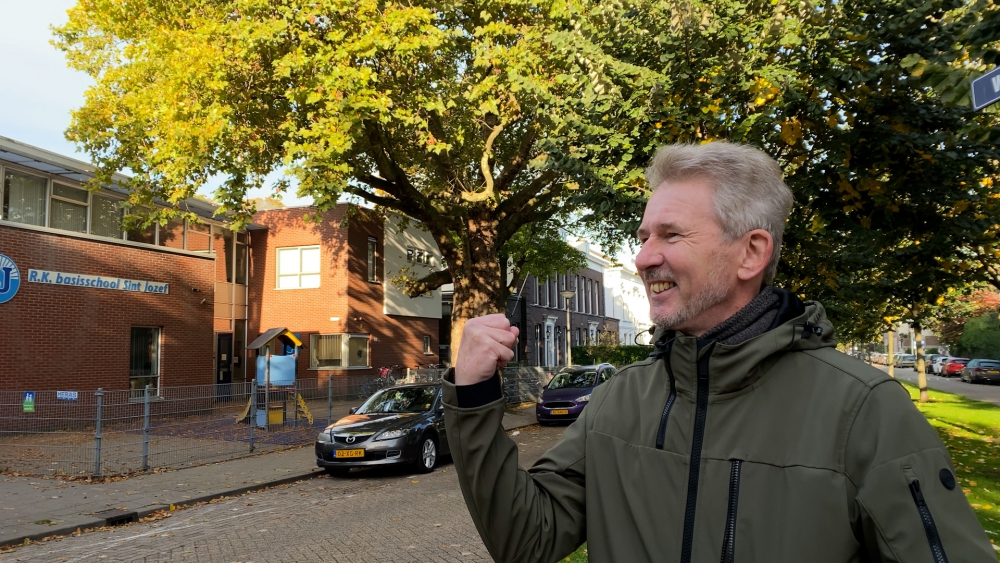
[479,281]
[918,338]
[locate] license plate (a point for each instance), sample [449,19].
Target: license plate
[560,411]
[350,453]
[993,372]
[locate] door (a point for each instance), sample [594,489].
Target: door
[224,365]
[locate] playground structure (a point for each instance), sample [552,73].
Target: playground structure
[275,383]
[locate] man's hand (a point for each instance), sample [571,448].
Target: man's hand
[487,344]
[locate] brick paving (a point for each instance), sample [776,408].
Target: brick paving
[375,516]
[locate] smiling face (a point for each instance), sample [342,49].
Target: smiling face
[690,273]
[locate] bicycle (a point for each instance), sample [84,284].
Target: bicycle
[384,379]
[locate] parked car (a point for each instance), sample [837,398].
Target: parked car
[565,396]
[397,425]
[935,365]
[981,370]
[953,367]
[905,360]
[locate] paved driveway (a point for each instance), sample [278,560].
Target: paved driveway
[978,391]
[380,516]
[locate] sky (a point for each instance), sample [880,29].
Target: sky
[38,90]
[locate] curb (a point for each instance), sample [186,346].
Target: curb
[100,522]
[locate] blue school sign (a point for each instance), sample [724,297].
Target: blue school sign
[10,279]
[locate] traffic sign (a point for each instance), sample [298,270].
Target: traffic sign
[986,89]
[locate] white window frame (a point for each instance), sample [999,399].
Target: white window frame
[277,267]
[345,348]
[372,273]
[53,196]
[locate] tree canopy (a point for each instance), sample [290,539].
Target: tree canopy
[480,119]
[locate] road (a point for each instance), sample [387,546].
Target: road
[978,391]
[374,516]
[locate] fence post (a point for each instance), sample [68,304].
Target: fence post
[295,402]
[97,433]
[145,429]
[252,418]
[329,400]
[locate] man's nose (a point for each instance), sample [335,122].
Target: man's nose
[647,258]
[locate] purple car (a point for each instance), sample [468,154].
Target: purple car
[569,391]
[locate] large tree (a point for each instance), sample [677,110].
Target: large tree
[480,119]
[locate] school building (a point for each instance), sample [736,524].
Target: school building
[86,304]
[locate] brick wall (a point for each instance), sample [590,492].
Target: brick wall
[344,293]
[77,338]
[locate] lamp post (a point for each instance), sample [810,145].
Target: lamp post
[568,294]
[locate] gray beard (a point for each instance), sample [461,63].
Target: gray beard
[710,295]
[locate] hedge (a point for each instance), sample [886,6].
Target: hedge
[613,354]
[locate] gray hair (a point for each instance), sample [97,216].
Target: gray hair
[750,192]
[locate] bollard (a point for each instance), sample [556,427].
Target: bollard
[295,403]
[329,400]
[253,409]
[145,429]
[97,433]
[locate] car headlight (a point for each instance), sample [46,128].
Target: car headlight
[392,434]
[583,399]
[324,437]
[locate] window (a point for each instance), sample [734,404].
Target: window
[68,208]
[199,237]
[535,301]
[338,351]
[544,293]
[298,267]
[240,259]
[106,217]
[418,256]
[144,360]
[372,247]
[24,198]
[427,345]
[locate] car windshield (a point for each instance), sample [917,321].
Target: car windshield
[908,358]
[992,364]
[400,400]
[573,379]
[960,360]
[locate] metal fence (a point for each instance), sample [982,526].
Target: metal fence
[104,433]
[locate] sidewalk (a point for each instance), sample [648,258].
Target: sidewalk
[34,508]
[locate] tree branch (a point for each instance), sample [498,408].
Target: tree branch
[540,210]
[524,196]
[443,162]
[427,283]
[520,160]
[484,166]
[391,203]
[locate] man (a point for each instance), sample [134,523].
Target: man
[745,437]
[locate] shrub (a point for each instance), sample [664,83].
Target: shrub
[616,355]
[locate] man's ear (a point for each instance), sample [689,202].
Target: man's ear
[757,246]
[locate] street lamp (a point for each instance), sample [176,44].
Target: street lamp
[568,294]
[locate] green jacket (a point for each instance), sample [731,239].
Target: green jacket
[780,449]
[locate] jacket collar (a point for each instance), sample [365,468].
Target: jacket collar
[798,326]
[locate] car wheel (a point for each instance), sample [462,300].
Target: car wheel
[337,471]
[428,454]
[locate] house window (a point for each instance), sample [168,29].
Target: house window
[68,208]
[338,351]
[24,198]
[372,247]
[427,345]
[298,267]
[144,360]
[199,237]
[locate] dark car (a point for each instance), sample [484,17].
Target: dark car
[565,396]
[981,370]
[953,367]
[397,425]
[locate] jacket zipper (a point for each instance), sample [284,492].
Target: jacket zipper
[662,432]
[937,550]
[729,539]
[701,415]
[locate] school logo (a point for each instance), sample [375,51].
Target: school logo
[10,279]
